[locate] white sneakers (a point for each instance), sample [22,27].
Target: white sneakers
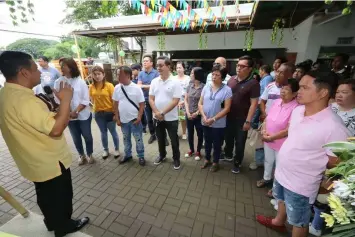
[83,159]
[184,136]
[116,154]
[254,166]
[105,154]
[90,159]
[313,231]
[274,203]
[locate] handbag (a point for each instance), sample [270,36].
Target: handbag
[124,92]
[255,138]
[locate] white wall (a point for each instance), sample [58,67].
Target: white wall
[305,40]
[235,40]
[328,33]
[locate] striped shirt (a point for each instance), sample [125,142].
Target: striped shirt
[271,93]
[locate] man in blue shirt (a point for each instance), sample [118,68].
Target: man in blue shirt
[145,77]
[48,74]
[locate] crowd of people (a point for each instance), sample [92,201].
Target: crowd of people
[295,109]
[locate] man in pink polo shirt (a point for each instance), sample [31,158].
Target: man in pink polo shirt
[301,159]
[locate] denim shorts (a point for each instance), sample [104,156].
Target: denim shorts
[298,209]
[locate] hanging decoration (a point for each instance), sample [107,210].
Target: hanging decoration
[250,39]
[170,17]
[275,29]
[161,41]
[347,9]
[246,37]
[283,22]
[277,34]
[200,39]
[203,39]
[237,22]
[206,38]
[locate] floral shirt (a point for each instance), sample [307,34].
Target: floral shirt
[348,117]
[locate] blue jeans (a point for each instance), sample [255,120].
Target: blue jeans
[191,126]
[259,156]
[213,137]
[137,130]
[318,222]
[256,118]
[104,121]
[80,128]
[297,206]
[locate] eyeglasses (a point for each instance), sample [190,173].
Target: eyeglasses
[242,66]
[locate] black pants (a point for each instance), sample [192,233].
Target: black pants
[149,116]
[191,126]
[172,128]
[213,138]
[235,138]
[54,198]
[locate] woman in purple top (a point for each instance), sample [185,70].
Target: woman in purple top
[193,117]
[214,104]
[276,127]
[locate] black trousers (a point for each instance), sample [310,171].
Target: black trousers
[149,117]
[191,126]
[235,138]
[54,198]
[172,128]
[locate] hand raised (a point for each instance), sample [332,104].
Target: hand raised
[65,91]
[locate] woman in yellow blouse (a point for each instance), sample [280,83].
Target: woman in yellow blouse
[101,96]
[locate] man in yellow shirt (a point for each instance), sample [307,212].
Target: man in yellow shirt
[35,139]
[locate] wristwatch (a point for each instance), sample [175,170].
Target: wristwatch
[162,114]
[214,119]
[77,112]
[247,122]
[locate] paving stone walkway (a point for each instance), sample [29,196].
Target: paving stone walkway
[128,200]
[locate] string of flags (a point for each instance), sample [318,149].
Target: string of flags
[170,17]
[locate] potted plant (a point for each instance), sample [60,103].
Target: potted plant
[342,198]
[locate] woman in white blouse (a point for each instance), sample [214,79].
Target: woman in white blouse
[184,82]
[80,115]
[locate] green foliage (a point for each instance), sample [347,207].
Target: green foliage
[83,10]
[35,47]
[20,11]
[88,48]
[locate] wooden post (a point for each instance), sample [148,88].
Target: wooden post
[79,58]
[13,202]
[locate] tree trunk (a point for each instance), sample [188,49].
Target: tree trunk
[139,41]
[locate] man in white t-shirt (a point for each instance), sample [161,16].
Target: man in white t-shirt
[272,91]
[164,96]
[129,104]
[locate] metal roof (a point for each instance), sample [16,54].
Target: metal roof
[260,15]
[142,25]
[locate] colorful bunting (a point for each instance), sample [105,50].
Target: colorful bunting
[170,17]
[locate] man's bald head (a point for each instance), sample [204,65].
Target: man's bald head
[222,61]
